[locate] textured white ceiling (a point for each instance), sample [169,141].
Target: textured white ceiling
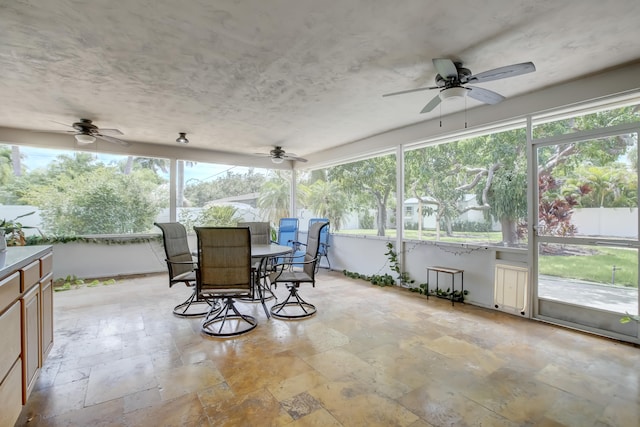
[242,76]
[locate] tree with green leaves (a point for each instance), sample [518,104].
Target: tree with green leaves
[5,165]
[610,186]
[327,200]
[499,178]
[100,201]
[229,185]
[431,176]
[212,216]
[370,182]
[275,197]
[77,195]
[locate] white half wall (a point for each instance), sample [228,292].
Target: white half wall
[366,255]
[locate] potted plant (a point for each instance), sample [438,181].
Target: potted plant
[11,232]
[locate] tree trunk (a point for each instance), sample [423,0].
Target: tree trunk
[420,205]
[509,236]
[382,218]
[128,167]
[180,184]
[420,219]
[447,222]
[15,160]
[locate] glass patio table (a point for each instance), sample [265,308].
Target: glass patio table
[263,253]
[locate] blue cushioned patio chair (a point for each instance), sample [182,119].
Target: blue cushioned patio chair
[288,233]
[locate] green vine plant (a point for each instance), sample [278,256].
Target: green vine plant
[403,277]
[375,279]
[629,317]
[73,282]
[125,240]
[386,279]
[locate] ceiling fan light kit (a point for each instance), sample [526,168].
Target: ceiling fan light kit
[182,139]
[85,132]
[454,92]
[278,155]
[85,139]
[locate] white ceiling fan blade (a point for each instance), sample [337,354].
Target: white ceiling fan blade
[294,157]
[111,131]
[410,90]
[503,72]
[431,105]
[111,139]
[446,68]
[484,95]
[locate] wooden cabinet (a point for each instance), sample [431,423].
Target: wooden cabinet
[30,275]
[26,324]
[10,339]
[46,316]
[31,353]
[11,395]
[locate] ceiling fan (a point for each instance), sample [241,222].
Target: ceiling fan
[86,133]
[452,78]
[278,155]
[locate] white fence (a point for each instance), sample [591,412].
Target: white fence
[606,222]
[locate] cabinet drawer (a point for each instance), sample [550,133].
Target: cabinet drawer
[46,264]
[30,275]
[9,290]
[11,395]
[9,338]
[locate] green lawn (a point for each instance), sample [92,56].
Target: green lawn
[594,267]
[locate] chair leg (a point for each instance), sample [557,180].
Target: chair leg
[260,293]
[228,321]
[301,308]
[318,263]
[192,307]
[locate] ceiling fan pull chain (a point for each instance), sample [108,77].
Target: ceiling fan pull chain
[465,112]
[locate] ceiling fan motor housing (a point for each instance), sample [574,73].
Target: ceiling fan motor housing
[85,126]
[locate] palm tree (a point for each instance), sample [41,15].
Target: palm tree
[327,200]
[275,198]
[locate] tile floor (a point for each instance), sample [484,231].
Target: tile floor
[371,356]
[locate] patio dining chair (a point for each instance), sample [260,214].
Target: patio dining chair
[181,266]
[224,274]
[294,306]
[260,235]
[260,232]
[323,249]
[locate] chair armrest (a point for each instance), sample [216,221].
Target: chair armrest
[182,262]
[277,269]
[296,245]
[194,262]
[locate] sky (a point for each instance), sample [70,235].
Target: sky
[35,158]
